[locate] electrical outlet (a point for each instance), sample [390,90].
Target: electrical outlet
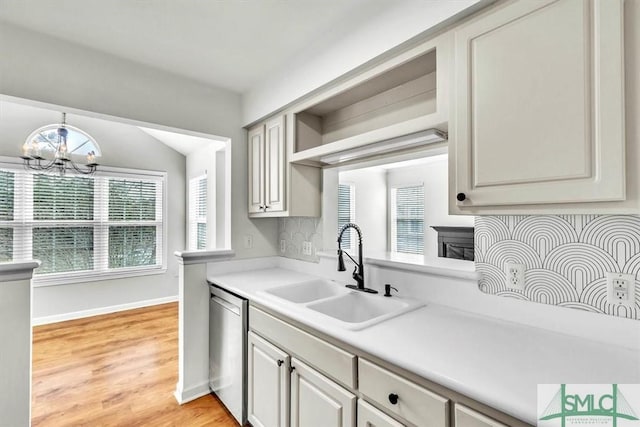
[307,248]
[621,289]
[283,246]
[248,241]
[514,276]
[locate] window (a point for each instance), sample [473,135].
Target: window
[407,219]
[198,213]
[346,213]
[82,227]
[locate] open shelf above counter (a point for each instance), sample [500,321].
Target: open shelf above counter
[401,99]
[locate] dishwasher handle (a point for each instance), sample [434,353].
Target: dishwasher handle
[225,304]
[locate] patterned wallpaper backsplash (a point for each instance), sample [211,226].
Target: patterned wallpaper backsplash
[295,231]
[566,258]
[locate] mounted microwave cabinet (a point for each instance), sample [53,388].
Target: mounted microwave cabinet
[537,112]
[276,187]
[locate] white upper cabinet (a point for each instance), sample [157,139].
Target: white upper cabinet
[278,188]
[267,167]
[538,108]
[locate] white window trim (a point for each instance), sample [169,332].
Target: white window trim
[57,279]
[393,247]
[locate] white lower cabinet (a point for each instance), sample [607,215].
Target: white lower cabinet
[283,391]
[316,401]
[268,384]
[332,387]
[368,416]
[467,417]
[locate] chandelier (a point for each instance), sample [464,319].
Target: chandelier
[59,148]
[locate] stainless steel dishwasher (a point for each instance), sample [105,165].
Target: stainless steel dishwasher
[228,327]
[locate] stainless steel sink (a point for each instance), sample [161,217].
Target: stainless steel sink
[304,292]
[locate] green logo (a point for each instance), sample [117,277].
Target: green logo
[609,405]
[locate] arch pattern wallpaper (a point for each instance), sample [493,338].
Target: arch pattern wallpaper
[567,258]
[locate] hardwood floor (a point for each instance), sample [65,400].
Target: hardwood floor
[118,369]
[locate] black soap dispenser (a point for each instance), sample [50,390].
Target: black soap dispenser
[387,290]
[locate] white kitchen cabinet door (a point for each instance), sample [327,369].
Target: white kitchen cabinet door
[467,417]
[316,401]
[267,384]
[538,108]
[256,169]
[274,153]
[368,416]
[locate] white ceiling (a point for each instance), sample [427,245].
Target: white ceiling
[225,43]
[184,144]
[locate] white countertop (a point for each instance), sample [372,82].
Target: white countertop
[495,362]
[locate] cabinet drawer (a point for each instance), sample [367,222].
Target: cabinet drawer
[368,416]
[327,358]
[467,417]
[414,403]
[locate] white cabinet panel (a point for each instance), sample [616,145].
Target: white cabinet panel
[538,112]
[256,169]
[466,417]
[274,165]
[268,384]
[316,401]
[368,416]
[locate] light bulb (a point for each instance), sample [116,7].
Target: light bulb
[26,149]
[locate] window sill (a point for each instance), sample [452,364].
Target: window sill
[81,277]
[445,267]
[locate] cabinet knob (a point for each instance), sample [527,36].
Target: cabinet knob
[280,362]
[393,398]
[461,197]
[267,207]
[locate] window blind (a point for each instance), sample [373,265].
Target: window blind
[408,218]
[78,225]
[346,214]
[198,213]
[7,196]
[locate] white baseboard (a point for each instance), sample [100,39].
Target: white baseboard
[44,320]
[192,393]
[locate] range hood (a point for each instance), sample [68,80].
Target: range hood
[412,140]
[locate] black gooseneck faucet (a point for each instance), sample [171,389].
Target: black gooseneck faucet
[358,272]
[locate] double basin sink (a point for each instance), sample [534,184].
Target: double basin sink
[353,309]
